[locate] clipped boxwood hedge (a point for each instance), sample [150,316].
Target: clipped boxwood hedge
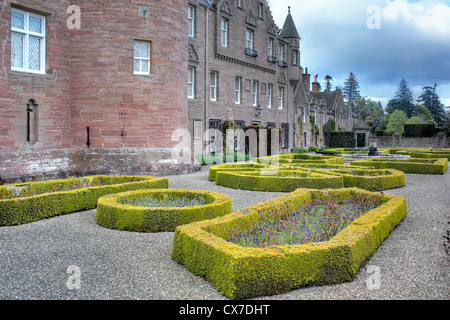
[234,167]
[46,199]
[242,273]
[295,158]
[114,215]
[281,181]
[372,180]
[413,165]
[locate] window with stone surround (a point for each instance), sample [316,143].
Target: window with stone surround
[191,82]
[213,85]
[142,57]
[224,32]
[269,95]
[27,42]
[255,93]
[249,39]
[237,90]
[281,98]
[191,21]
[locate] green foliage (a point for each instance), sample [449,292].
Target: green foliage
[114,215]
[328,127]
[420,130]
[414,120]
[432,102]
[342,139]
[425,114]
[368,111]
[402,101]
[413,165]
[397,121]
[45,202]
[351,88]
[242,273]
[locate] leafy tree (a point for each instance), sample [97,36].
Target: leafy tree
[424,114]
[328,80]
[351,88]
[397,121]
[368,111]
[432,102]
[403,100]
[414,120]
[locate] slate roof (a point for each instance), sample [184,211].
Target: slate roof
[289,29]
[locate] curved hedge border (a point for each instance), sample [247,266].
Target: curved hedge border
[371,180]
[413,165]
[295,158]
[242,273]
[234,167]
[114,215]
[47,204]
[282,181]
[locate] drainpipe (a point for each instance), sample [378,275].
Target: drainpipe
[205,95]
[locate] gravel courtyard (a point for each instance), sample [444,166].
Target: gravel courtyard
[34,258]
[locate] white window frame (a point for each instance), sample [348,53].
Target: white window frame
[315,115]
[191,83]
[224,32]
[213,85]
[237,90]
[269,95]
[294,57]
[270,47]
[26,35]
[191,21]
[249,38]
[280,98]
[281,52]
[140,59]
[255,93]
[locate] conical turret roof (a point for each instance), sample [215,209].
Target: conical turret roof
[289,29]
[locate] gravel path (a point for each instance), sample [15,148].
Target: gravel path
[34,258]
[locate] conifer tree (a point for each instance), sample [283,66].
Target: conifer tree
[351,88]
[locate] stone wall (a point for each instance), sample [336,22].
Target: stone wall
[397,141]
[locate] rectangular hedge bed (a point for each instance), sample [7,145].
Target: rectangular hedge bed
[241,272]
[413,165]
[27,202]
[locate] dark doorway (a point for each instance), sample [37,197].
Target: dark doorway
[360,140]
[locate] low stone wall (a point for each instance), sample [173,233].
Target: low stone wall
[34,164]
[397,141]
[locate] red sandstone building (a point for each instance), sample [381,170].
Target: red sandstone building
[101,86]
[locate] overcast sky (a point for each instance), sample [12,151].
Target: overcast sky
[411,40]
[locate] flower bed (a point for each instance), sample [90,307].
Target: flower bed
[278,181]
[238,272]
[414,165]
[28,202]
[159,210]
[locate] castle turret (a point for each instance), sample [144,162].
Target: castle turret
[290,33]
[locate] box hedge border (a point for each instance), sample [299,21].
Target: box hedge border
[242,273]
[48,204]
[255,181]
[413,165]
[114,215]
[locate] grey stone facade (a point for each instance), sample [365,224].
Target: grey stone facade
[262,85]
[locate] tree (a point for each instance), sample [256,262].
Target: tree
[397,121]
[424,114]
[432,102]
[403,100]
[368,111]
[328,80]
[414,120]
[351,88]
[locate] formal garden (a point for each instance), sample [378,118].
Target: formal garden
[329,221]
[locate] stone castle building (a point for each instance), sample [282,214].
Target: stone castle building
[101,86]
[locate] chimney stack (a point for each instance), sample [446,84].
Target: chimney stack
[316,84]
[307,80]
